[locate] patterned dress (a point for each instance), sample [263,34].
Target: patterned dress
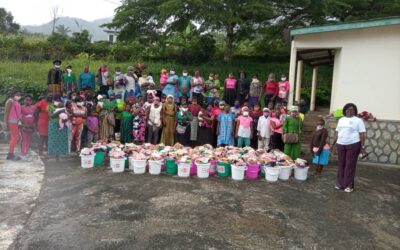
[139,126]
[168,112]
[106,129]
[225,129]
[58,142]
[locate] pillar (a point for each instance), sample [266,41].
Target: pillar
[298,80]
[313,88]
[292,71]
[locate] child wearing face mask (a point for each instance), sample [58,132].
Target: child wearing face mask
[318,147]
[256,113]
[235,110]
[194,108]
[264,130]
[283,90]
[244,128]
[28,124]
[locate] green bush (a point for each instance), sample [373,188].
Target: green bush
[127,51]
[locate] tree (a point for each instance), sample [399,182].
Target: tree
[7,24]
[233,17]
[61,29]
[55,16]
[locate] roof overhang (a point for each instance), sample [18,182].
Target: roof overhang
[346,26]
[316,57]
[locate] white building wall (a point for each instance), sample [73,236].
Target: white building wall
[366,68]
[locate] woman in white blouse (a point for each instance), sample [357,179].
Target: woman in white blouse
[350,140]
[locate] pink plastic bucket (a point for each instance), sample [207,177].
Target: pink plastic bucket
[252,171]
[213,167]
[193,168]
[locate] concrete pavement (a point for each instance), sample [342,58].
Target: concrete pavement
[97,209]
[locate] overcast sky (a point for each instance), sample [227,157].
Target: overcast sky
[36,12]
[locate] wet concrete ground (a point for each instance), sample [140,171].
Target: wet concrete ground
[97,209]
[20,185]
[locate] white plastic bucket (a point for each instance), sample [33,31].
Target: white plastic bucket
[138,166]
[155,167]
[117,164]
[87,161]
[301,173]
[238,172]
[285,172]
[203,170]
[184,169]
[271,173]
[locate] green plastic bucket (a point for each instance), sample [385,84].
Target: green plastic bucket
[99,159]
[171,167]
[223,169]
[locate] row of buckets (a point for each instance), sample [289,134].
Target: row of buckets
[186,169]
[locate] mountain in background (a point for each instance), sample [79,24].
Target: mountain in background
[75,25]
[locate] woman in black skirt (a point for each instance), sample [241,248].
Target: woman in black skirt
[230,89]
[206,124]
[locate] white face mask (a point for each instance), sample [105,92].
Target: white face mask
[118,100]
[56,103]
[319,127]
[79,103]
[57,66]
[184,109]
[69,71]
[172,72]
[117,73]
[283,79]
[245,113]
[184,74]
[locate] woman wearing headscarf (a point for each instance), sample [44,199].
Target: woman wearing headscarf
[183,119]
[171,87]
[169,110]
[291,133]
[350,138]
[106,110]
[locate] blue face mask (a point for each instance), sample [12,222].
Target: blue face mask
[237,105]
[216,103]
